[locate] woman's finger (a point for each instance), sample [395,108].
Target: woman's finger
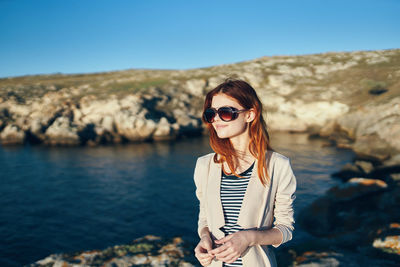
[200,248]
[224,254]
[203,255]
[224,239]
[206,257]
[205,262]
[219,249]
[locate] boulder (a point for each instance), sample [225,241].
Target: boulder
[388,239]
[395,159]
[145,128]
[355,188]
[374,128]
[12,135]
[348,171]
[337,256]
[389,244]
[298,116]
[62,132]
[125,126]
[164,130]
[395,177]
[372,146]
[352,211]
[364,166]
[107,123]
[385,170]
[317,259]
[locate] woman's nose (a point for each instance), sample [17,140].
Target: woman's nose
[216,118]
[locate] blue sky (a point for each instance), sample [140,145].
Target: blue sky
[80,36]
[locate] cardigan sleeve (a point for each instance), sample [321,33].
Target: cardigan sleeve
[199,177]
[285,196]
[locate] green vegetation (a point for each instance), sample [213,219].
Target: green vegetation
[134,87]
[373,85]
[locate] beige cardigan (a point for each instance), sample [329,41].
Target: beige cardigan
[261,205]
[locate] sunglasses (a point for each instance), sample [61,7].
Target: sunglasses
[225,113]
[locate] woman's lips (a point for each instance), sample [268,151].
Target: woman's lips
[220,126]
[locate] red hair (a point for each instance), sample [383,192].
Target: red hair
[246,96]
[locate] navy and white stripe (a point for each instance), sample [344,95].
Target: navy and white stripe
[232,193]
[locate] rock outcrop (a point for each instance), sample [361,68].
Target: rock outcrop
[146,251]
[351,98]
[374,130]
[96,121]
[358,217]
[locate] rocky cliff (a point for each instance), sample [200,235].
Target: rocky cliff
[352,98]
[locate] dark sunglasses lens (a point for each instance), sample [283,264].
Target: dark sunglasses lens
[225,114]
[209,115]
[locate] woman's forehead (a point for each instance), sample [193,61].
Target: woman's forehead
[220,100]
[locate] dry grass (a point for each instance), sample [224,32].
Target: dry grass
[354,83]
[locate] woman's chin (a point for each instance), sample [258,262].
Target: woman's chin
[223,135]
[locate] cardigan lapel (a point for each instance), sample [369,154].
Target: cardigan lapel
[254,200]
[214,196]
[248,212]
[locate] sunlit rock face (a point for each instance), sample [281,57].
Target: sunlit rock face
[12,135]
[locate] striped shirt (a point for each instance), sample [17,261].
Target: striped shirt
[232,192]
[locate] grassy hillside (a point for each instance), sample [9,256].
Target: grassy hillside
[346,77]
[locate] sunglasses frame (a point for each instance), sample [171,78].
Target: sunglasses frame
[234,111]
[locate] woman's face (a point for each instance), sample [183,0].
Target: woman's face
[229,129]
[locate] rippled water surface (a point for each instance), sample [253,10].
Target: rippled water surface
[58,199]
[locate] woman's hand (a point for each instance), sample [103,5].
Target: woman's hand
[231,246]
[202,250]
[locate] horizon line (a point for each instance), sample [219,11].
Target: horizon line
[186,69]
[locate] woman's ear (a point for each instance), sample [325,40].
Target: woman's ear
[251,115]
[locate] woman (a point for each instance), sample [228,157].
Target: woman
[245,189]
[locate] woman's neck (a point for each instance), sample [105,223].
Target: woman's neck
[241,145]
[243,156]
[243,162]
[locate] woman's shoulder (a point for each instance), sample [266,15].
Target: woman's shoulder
[206,157]
[277,158]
